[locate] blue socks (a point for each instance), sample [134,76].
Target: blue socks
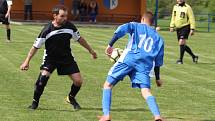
[153,105]
[106,101]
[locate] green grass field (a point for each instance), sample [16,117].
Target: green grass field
[188,93]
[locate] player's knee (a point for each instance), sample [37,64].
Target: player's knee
[7,27]
[44,72]
[146,93]
[182,42]
[42,80]
[78,82]
[107,85]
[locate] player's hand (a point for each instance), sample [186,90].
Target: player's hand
[108,50]
[24,66]
[171,29]
[93,53]
[157,28]
[191,32]
[159,83]
[7,15]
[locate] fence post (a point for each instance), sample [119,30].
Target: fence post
[209,21]
[156,14]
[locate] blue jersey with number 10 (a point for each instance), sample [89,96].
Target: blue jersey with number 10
[144,47]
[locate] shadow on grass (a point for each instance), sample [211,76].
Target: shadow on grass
[117,109]
[131,110]
[96,109]
[54,109]
[172,118]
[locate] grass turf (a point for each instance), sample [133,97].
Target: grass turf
[187,94]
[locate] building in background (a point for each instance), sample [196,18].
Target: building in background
[109,10]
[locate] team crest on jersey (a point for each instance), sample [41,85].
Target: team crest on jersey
[110,4]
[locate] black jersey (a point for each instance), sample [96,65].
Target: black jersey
[3,7]
[57,41]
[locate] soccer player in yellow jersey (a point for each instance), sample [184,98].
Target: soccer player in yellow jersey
[184,22]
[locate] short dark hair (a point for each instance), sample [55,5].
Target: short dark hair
[57,8]
[149,15]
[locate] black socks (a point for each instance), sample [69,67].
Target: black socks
[8,34]
[39,86]
[188,50]
[182,50]
[74,90]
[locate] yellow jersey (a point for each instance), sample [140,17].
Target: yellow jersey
[182,15]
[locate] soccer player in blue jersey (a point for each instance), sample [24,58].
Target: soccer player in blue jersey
[144,46]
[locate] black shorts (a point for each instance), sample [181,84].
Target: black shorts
[183,33]
[62,69]
[4,20]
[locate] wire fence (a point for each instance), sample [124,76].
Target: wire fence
[204,22]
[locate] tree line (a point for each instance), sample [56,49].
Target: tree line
[198,6]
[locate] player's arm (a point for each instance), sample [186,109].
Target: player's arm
[31,53]
[157,76]
[84,43]
[77,37]
[158,63]
[37,44]
[172,23]
[119,33]
[191,20]
[9,3]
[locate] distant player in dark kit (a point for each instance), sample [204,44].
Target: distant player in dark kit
[56,36]
[184,22]
[27,9]
[5,8]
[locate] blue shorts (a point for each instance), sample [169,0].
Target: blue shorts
[138,77]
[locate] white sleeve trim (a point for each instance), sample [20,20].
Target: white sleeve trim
[76,36]
[9,2]
[39,42]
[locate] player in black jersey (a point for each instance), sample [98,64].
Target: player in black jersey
[56,36]
[5,8]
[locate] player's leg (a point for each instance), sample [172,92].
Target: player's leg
[182,43]
[106,101]
[186,32]
[141,80]
[151,102]
[71,69]
[183,35]
[181,46]
[189,51]
[8,30]
[116,73]
[77,82]
[39,88]
[46,69]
